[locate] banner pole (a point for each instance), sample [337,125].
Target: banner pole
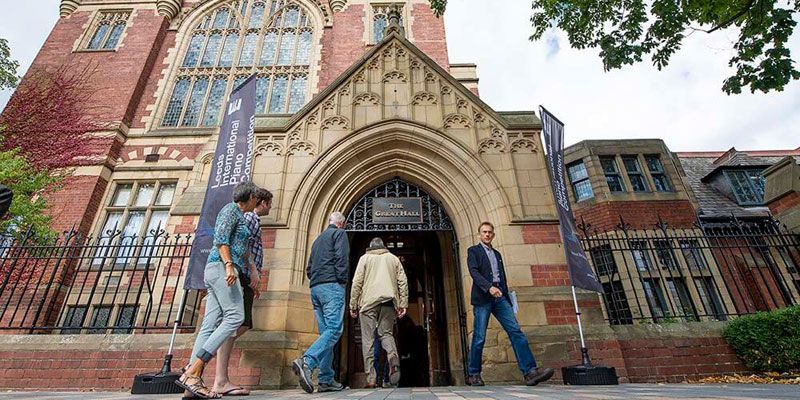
[584,351]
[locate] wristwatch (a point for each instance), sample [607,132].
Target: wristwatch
[228,262]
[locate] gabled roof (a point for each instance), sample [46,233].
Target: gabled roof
[509,120]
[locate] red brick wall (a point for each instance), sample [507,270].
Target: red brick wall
[105,370]
[120,75]
[678,359]
[785,203]
[550,275]
[342,44]
[77,203]
[640,214]
[541,234]
[562,312]
[429,34]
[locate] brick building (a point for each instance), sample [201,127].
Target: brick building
[348,111]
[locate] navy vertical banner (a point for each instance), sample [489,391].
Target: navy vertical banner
[232,164]
[580,272]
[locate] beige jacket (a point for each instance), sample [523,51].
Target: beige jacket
[379,278]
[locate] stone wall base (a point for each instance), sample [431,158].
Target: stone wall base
[640,353]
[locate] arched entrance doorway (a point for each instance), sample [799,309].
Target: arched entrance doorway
[431,339]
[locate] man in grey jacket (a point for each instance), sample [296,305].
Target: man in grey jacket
[327,271]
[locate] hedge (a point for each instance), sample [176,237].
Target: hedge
[767,341]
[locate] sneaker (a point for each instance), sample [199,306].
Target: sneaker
[303,373]
[538,375]
[394,371]
[330,387]
[475,380]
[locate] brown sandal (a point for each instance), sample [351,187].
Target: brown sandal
[198,388]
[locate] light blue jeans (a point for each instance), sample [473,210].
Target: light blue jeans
[501,309]
[224,312]
[328,302]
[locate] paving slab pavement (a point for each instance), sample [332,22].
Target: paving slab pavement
[556,392]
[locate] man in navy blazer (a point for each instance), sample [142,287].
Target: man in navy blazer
[490,296]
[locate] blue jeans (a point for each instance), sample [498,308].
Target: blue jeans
[224,312]
[328,302]
[505,315]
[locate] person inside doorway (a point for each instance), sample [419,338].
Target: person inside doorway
[490,296]
[378,296]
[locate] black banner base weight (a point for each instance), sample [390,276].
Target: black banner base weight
[589,375]
[156,383]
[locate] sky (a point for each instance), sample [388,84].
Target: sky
[683,104]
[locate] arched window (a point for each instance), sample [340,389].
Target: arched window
[269,38]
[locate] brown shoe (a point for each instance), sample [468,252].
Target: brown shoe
[370,386]
[475,380]
[538,375]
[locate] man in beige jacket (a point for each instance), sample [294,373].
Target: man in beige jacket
[379,295]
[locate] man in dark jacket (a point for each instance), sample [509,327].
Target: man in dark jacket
[490,296]
[328,272]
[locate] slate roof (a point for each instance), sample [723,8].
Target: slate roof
[711,202]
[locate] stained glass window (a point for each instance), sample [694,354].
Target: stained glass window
[107,30]
[237,40]
[380,19]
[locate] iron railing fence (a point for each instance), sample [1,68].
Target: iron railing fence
[112,283]
[661,274]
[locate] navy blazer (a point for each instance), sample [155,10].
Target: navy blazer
[481,271]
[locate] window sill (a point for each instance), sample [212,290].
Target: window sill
[95,51]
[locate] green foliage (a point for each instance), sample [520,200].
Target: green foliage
[627,30]
[29,186]
[767,341]
[8,67]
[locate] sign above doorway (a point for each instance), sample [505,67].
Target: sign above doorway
[397,210]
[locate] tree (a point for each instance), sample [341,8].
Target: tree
[30,187]
[8,67]
[49,119]
[627,30]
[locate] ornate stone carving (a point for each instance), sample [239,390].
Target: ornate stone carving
[269,148]
[424,99]
[338,5]
[359,77]
[523,146]
[301,149]
[367,99]
[294,137]
[446,90]
[336,122]
[491,146]
[168,8]
[457,121]
[394,77]
[68,7]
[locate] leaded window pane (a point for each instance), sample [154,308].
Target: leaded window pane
[144,194]
[228,49]
[287,48]
[126,318]
[218,43]
[268,49]
[583,190]
[212,48]
[98,37]
[378,26]
[262,91]
[257,16]
[277,102]
[113,38]
[221,19]
[100,317]
[304,48]
[193,53]
[165,194]
[175,106]
[291,17]
[195,102]
[297,95]
[748,186]
[211,115]
[248,50]
[122,195]
[238,81]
